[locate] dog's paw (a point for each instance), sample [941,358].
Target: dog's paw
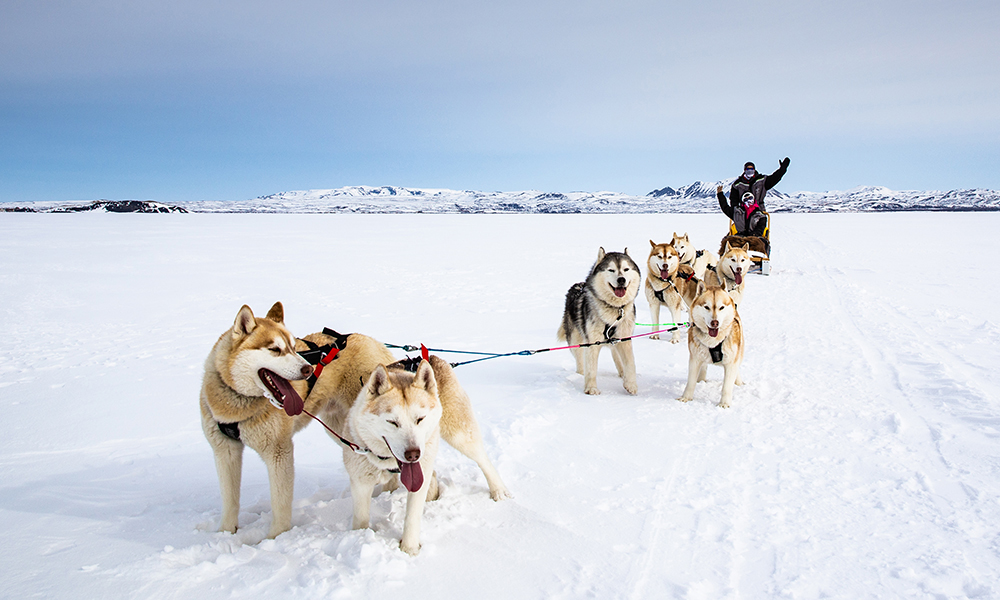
[675,339]
[500,494]
[592,391]
[276,531]
[411,549]
[631,388]
[723,404]
[655,336]
[684,399]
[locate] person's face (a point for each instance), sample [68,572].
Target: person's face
[749,172]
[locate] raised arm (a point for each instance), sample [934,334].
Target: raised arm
[723,204]
[772,180]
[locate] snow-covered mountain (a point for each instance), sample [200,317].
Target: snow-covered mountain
[117,206]
[698,197]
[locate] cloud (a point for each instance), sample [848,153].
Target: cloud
[543,80]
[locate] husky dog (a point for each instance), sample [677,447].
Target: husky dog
[255,365]
[715,337]
[251,365]
[728,274]
[668,283]
[600,309]
[399,418]
[699,260]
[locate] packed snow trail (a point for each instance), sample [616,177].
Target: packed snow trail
[859,460]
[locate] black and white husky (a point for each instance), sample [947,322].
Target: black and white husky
[600,309]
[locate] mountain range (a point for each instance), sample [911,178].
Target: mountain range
[698,197]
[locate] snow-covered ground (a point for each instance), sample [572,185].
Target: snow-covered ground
[860,460]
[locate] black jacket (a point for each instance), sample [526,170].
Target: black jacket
[759,185]
[754,225]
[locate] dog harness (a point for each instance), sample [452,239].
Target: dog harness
[320,356]
[697,255]
[716,353]
[610,330]
[230,430]
[408,364]
[670,281]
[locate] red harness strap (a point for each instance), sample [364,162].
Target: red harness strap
[332,354]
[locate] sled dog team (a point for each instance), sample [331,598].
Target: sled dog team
[389,415]
[601,311]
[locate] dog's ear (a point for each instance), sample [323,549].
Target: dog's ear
[746,246]
[652,243]
[728,247]
[244,324]
[626,252]
[700,290]
[600,254]
[424,379]
[378,383]
[277,313]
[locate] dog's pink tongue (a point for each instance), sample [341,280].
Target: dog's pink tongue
[411,476]
[283,392]
[738,277]
[664,274]
[713,332]
[620,292]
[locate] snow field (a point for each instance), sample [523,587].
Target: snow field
[860,459]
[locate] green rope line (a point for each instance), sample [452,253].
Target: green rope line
[661,324]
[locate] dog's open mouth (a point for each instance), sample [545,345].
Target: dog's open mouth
[713,331]
[738,276]
[282,392]
[664,274]
[410,474]
[619,291]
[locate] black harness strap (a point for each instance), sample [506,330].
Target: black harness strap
[230,430]
[697,254]
[670,282]
[716,353]
[320,356]
[409,364]
[610,330]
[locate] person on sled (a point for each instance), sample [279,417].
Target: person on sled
[746,200]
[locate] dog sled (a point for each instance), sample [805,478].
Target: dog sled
[760,246]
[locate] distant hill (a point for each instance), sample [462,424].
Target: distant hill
[698,197]
[117,206]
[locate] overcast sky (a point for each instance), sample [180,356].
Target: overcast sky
[212,100]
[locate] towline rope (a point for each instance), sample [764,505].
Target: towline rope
[490,355]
